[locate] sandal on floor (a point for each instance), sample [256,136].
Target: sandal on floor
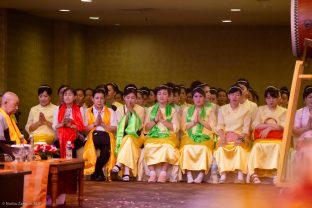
[254,179]
[222,179]
[162,177]
[152,178]
[126,178]
[114,173]
[116,169]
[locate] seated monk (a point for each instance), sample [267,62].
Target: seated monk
[8,128]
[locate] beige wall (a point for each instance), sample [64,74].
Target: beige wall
[44,51]
[41,51]
[217,55]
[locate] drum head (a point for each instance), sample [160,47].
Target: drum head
[301,24]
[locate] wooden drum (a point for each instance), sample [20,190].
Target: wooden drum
[301,24]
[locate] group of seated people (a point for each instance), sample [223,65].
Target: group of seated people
[164,128]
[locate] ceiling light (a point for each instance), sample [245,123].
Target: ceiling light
[86,0]
[94,18]
[64,10]
[235,10]
[226,21]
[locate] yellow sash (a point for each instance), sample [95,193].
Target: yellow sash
[89,154]
[15,133]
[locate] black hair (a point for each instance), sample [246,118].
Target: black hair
[221,90]
[284,90]
[69,89]
[61,87]
[272,91]
[114,86]
[307,91]
[130,88]
[103,87]
[213,91]
[79,89]
[198,90]
[140,92]
[176,89]
[99,90]
[188,90]
[243,81]
[254,95]
[235,88]
[195,84]
[44,88]
[171,87]
[182,87]
[87,90]
[162,87]
[145,91]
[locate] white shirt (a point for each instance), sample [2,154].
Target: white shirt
[113,119]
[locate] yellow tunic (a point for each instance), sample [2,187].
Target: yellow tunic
[265,152]
[252,107]
[231,157]
[197,156]
[117,104]
[43,133]
[159,150]
[130,148]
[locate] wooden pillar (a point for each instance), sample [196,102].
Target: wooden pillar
[3,50]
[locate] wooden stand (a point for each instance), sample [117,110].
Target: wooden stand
[75,169]
[291,111]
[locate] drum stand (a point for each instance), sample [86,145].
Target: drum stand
[291,111]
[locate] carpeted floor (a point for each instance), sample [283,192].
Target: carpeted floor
[170,195]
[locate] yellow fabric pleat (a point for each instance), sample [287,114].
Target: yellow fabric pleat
[89,154]
[186,140]
[231,157]
[129,152]
[195,156]
[14,131]
[47,138]
[159,150]
[265,157]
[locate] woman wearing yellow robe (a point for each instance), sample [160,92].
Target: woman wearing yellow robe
[101,124]
[39,123]
[130,119]
[198,122]
[269,124]
[161,125]
[233,130]
[252,107]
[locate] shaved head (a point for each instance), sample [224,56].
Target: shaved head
[9,102]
